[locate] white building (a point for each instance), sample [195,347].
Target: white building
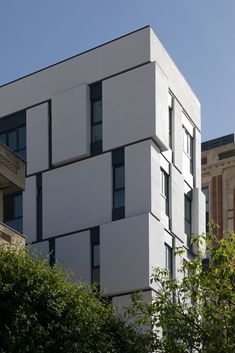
[113,161]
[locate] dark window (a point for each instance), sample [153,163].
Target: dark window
[118,184]
[15,139]
[165,190]
[39,207]
[188,217]
[170,119]
[204,160]
[13,211]
[96,118]
[95,255]
[227,154]
[168,259]
[188,147]
[205,190]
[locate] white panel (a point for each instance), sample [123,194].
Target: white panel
[77,196]
[156,246]
[198,212]
[29,209]
[162,110]
[37,138]
[137,179]
[124,255]
[129,107]
[40,250]
[168,239]
[197,158]
[177,203]
[177,135]
[71,125]
[155,181]
[73,253]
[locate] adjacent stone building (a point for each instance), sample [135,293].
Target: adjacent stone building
[218,181]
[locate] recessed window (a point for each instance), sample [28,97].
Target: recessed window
[165,190]
[118,184]
[168,259]
[227,154]
[95,255]
[205,191]
[204,160]
[188,217]
[170,119]
[15,139]
[188,147]
[13,211]
[96,118]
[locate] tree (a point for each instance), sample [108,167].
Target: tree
[197,312]
[42,311]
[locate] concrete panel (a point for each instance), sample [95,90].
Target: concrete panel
[37,123]
[129,107]
[73,253]
[40,250]
[124,255]
[197,158]
[177,136]
[162,111]
[77,196]
[198,212]
[156,246]
[177,202]
[30,209]
[138,178]
[71,125]
[155,181]
[94,65]
[177,82]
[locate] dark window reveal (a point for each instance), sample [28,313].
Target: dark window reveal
[13,211]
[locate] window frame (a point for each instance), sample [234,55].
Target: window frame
[188,221]
[165,192]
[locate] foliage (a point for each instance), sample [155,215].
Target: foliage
[41,311]
[197,312]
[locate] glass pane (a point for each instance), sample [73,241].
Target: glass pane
[12,140]
[18,205]
[119,177]
[16,224]
[22,137]
[119,198]
[96,255]
[8,208]
[96,133]
[22,154]
[96,275]
[97,112]
[3,138]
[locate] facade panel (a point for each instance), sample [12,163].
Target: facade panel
[30,209]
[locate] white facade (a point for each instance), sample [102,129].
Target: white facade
[109,193]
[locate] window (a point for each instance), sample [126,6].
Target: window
[165,190]
[168,259]
[13,211]
[205,190]
[15,139]
[188,217]
[95,255]
[96,118]
[188,147]
[118,184]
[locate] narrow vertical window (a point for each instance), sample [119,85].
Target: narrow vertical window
[96,118]
[188,147]
[95,255]
[188,217]
[39,207]
[168,260]
[13,211]
[165,190]
[118,184]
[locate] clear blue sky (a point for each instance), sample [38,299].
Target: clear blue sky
[198,34]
